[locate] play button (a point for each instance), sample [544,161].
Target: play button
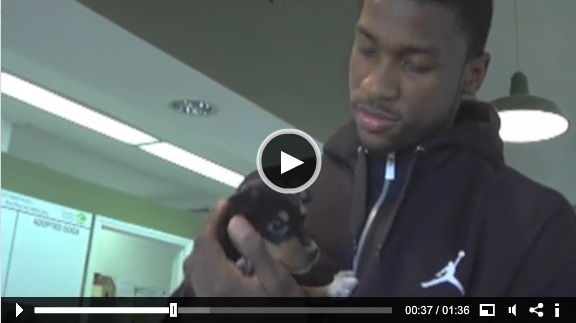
[288,161]
[19,310]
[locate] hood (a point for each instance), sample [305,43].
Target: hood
[476,128]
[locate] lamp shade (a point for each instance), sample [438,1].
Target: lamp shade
[528,118]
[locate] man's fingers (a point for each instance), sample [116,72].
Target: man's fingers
[271,275]
[208,241]
[207,268]
[215,218]
[211,273]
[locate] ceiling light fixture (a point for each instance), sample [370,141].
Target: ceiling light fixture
[528,118]
[64,108]
[195,108]
[195,163]
[524,117]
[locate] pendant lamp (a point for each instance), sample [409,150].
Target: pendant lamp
[524,117]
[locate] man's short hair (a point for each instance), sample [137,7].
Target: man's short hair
[475,19]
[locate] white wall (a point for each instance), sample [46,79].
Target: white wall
[144,262]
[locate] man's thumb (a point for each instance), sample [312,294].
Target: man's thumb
[245,237]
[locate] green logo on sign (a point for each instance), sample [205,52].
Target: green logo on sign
[81,218]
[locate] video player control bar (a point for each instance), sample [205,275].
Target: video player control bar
[174,310]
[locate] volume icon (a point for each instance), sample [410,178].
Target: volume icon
[512,310]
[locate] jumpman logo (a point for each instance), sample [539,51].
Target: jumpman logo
[447,275]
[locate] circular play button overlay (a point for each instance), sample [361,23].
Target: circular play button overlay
[289,161]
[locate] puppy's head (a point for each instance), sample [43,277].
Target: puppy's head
[279,218]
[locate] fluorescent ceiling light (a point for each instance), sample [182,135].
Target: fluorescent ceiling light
[194,163]
[57,105]
[523,126]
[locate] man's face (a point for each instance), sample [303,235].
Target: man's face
[408,72]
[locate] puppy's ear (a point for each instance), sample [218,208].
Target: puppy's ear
[254,194]
[244,186]
[305,196]
[241,202]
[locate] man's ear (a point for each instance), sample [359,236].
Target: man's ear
[475,74]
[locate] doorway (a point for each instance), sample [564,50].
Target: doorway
[141,262]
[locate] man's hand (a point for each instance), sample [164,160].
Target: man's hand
[212,274]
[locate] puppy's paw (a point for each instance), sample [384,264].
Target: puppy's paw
[245,266]
[343,284]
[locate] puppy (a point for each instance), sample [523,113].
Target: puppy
[279,219]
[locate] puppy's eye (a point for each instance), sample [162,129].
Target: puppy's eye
[278,227]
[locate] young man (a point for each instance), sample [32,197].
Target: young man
[414,194]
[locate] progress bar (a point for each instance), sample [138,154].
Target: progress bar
[101,310]
[174,310]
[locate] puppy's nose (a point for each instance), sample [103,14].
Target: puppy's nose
[313,254]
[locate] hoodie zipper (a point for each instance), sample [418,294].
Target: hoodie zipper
[393,213]
[389,176]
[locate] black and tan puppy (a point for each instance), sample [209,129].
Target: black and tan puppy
[279,219]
